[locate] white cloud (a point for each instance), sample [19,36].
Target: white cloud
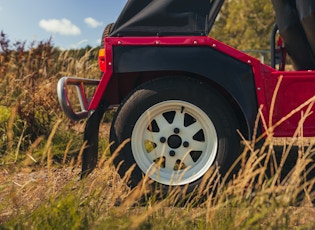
[82,42]
[62,26]
[79,44]
[91,22]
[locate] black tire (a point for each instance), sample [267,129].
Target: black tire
[192,122]
[106,33]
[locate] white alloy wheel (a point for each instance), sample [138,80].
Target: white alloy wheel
[174,142]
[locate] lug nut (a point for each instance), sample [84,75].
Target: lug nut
[163,139]
[172,153]
[176,130]
[186,144]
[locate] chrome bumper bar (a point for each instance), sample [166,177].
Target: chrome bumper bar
[63,96]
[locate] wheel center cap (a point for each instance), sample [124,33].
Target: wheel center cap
[174,141]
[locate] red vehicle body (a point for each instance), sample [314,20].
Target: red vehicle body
[296,88]
[245,84]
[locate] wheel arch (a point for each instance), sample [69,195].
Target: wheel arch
[245,126]
[230,77]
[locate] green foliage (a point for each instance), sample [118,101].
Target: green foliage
[68,143]
[11,130]
[245,24]
[62,212]
[5,114]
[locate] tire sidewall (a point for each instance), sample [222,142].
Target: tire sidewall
[173,88]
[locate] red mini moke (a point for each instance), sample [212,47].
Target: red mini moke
[184,98]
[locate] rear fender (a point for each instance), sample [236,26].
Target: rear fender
[197,56]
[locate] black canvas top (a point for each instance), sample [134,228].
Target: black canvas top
[165,17]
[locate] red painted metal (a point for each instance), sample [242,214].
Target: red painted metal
[294,96]
[105,77]
[159,41]
[296,87]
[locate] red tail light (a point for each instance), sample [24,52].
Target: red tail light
[102,60]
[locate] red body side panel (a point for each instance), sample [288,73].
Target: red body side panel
[296,87]
[294,100]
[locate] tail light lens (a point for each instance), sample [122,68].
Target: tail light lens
[102,60]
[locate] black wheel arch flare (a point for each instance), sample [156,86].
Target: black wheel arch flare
[231,77]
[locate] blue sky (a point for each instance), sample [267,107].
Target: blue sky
[71,23]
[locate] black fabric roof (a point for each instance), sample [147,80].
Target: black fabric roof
[164,17]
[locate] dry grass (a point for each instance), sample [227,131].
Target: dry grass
[28,98]
[39,174]
[264,194]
